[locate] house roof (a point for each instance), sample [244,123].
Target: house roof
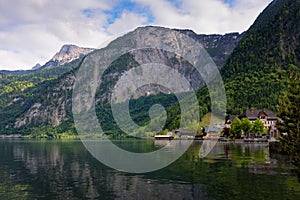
[211,129]
[253,113]
[184,132]
[232,117]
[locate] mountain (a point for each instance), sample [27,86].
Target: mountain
[37,66]
[67,54]
[255,75]
[46,102]
[218,46]
[257,64]
[257,71]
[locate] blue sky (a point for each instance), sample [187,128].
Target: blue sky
[117,11]
[230,2]
[32,31]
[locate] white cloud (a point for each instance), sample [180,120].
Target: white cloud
[32,31]
[206,16]
[14,59]
[36,29]
[126,22]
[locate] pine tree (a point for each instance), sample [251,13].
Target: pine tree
[289,111]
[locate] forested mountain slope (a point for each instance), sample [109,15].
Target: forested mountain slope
[257,71]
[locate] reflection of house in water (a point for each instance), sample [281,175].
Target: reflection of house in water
[253,157]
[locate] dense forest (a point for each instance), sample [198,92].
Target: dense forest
[256,73]
[289,110]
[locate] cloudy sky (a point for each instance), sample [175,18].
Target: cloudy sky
[31,31]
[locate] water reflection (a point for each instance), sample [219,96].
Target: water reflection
[254,157]
[65,170]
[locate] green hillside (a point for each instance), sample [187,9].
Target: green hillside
[255,76]
[19,92]
[257,71]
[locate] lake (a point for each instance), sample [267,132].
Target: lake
[50,169]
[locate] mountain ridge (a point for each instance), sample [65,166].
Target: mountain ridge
[255,75]
[51,103]
[67,54]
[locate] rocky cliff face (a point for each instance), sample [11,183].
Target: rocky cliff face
[218,46]
[52,107]
[54,103]
[67,54]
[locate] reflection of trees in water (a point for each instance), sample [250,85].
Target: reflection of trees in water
[65,170]
[52,169]
[255,157]
[137,188]
[226,172]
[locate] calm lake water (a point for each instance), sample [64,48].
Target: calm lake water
[34,169]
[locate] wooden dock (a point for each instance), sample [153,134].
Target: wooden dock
[163,137]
